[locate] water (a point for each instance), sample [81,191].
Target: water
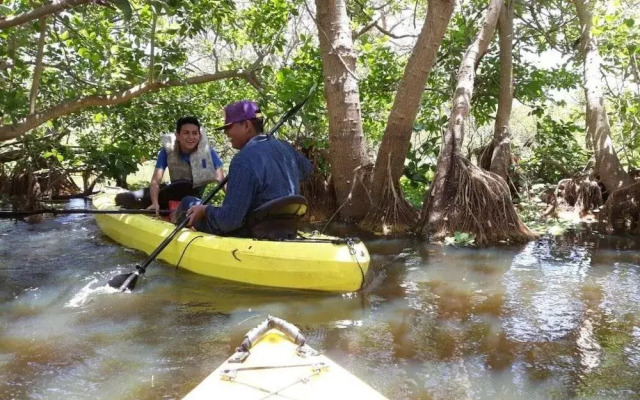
[554,319]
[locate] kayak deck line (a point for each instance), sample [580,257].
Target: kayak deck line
[275,362]
[310,262]
[235,370]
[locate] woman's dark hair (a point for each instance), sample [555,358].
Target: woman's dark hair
[187,120]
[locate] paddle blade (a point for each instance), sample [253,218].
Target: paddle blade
[124,282]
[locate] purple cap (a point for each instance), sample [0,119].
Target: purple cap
[240,111]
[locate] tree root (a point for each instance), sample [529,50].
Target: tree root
[393,214]
[321,197]
[26,187]
[621,212]
[581,194]
[480,205]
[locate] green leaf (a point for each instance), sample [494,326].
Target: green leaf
[84,53]
[125,7]
[629,22]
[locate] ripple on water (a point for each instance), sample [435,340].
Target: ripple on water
[632,351]
[621,289]
[540,291]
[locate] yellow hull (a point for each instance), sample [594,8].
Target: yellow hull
[275,370]
[308,265]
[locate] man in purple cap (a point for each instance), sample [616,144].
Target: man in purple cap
[264,169]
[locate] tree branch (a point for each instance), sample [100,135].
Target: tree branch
[37,71]
[392,35]
[32,121]
[11,155]
[152,60]
[364,29]
[40,12]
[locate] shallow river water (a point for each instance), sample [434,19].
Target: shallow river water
[553,319]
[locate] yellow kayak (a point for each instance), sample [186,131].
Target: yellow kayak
[273,362]
[310,262]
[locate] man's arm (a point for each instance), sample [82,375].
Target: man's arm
[241,189]
[154,188]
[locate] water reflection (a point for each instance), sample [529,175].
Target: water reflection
[557,318]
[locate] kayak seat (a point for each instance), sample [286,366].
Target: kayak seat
[277,219]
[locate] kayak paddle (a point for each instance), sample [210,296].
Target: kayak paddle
[18,214]
[128,281]
[125,282]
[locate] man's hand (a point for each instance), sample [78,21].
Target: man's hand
[155,207]
[195,213]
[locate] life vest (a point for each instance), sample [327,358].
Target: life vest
[200,169]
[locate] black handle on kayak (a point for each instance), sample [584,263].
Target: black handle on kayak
[128,281]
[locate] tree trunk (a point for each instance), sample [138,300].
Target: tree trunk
[121,181]
[608,168]
[464,197]
[501,158]
[397,136]
[348,155]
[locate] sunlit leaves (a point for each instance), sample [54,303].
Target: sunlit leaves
[124,7]
[618,37]
[382,69]
[265,35]
[556,153]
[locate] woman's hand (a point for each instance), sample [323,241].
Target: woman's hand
[155,207]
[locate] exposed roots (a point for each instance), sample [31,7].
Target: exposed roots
[321,197]
[4,181]
[621,212]
[393,214]
[484,155]
[581,194]
[476,202]
[27,186]
[589,196]
[566,193]
[359,176]
[52,182]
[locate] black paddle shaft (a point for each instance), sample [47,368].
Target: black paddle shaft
[17,214]
[128,281]
[181,225]
[124,282]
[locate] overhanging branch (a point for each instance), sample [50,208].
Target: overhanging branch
[48,9]
[34,120]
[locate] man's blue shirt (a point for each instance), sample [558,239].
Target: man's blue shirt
[263,170]
[162,159]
